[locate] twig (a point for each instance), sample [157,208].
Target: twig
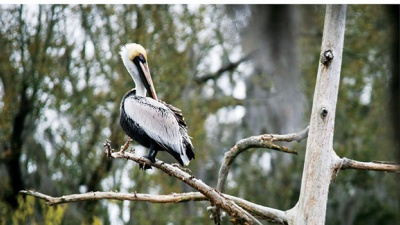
[126,145]
[228,67]
[375,165]
[256,210]
[261,141]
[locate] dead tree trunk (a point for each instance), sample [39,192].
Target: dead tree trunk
[320,159]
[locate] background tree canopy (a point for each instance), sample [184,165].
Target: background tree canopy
[235,71]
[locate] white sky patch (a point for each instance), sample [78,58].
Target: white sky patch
[349,81]
[116,216]
[223,116]
[81,82]
[208,90]
[114,213]
[126,211]
[89,50]
[229,115]
[82,189]
[106,132]
[214,58]
[57,176]
[31,167]
[239,90]
[67,87]
[211,124]
[231,183]
[265,161]
[365,97]
[31,11]
[100,83]
[126,181]
[225,85]
[48,119]
[73,27]
[154,189]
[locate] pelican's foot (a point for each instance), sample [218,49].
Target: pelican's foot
[146,167]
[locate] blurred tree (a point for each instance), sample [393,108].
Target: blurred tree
[274,90]
[365,74]
[23,72]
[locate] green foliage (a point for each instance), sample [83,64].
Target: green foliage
[53,214]
[26,214]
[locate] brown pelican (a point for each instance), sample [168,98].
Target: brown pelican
[147,120]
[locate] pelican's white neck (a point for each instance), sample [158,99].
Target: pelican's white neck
[140,88]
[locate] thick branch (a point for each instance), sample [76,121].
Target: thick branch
[376,165]
[320,159]
[241,216]
[256,210]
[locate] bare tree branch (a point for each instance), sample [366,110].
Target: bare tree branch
[261,141]
[239,214]
[262,212]
[171,198]
[259,211]
[375,165]
[228,67]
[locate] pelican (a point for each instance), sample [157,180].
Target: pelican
[151,122]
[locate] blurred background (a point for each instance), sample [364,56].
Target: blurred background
[234,70]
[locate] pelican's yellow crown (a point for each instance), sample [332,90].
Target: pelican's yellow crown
[132,50]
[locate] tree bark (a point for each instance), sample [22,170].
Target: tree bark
[321,162]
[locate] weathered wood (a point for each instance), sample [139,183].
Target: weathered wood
[259,211]
[320,159]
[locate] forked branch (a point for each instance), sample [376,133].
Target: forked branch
[261,141]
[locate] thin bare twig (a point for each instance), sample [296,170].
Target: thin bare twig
[229,67]
[375,165]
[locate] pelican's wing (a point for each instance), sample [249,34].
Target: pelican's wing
[177,113]
[156,120]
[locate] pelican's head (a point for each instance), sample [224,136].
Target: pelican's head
[134,57]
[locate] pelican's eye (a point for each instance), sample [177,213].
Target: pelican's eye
[142,58]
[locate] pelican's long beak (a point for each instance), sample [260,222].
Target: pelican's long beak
[146,79]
